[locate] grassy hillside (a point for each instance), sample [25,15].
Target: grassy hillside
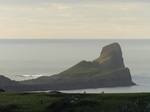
[60,102]
[82,67]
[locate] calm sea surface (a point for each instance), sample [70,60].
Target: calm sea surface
[28,59]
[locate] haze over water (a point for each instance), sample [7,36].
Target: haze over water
[28,59]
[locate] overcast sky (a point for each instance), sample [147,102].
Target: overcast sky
[75,19]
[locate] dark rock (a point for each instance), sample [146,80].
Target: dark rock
[106,71]
[4,81]
[111,57]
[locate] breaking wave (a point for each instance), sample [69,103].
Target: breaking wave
[32,76]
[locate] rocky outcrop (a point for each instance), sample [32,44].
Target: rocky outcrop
[108,70]
[111,57]
[8,84]
[4,81]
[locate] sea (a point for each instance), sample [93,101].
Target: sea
[23,59]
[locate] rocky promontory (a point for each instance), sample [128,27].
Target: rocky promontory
[108,70]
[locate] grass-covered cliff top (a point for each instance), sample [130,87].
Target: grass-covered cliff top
[61,102]
[110,60]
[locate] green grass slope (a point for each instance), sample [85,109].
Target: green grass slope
[68,102]
[82,67]
[91,74]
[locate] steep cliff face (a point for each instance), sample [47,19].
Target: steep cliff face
[108,70]
[111,57]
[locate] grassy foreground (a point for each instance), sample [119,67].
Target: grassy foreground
[67,102]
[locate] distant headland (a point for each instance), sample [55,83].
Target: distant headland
[108,70]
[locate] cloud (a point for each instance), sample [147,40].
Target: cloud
[29,2]
[73,18]
[124,18]
[63,7]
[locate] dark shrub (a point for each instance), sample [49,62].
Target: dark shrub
[9,108]
[87,103]
[2,90]
[59,106]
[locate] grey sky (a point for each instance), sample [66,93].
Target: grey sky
[64,1]
[73,19]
